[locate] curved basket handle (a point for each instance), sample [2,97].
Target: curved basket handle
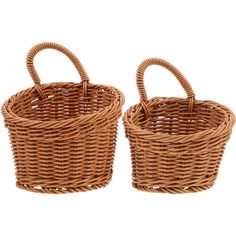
[157,61]
[48,45]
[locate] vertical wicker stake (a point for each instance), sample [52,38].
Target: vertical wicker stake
[63,134]
[176,144]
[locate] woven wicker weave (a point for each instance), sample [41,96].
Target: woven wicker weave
[176,144]
[63,134]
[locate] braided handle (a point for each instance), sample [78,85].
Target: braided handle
[48,45]
[156,61]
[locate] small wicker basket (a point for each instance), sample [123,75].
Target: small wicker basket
[63,134]
[176,144]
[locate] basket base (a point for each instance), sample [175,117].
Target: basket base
[60,190]
[173,190]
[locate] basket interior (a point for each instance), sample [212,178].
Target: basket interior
[64,101]
[173,117]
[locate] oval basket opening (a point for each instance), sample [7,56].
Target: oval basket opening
[172,117]
[64,101]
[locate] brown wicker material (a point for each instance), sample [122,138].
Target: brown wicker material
[176,144]
[63,134]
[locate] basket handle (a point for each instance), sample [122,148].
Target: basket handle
[48,45]
[157,61]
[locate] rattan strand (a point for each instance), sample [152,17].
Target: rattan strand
[63,135]
[176,144]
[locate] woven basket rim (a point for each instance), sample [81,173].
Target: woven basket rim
[224,127]
[7,112]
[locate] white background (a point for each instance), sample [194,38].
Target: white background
[111,38]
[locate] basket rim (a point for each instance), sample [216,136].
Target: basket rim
[149,135]
[14,118]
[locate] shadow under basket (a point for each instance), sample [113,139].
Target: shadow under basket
[63,135]
[176,144]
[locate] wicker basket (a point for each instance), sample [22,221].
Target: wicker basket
[63,134]
[176,144]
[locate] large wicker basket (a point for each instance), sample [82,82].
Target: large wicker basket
[176,144]
[63,134]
